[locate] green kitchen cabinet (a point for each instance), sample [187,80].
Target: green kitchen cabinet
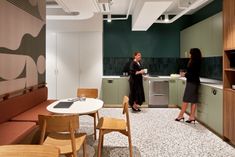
[180,91]
[173,96]
[210,108]
[110,90]
[146,91]
[123,88]
[113,90]
[215,109]
[202,106]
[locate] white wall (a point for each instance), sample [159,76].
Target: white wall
[51,65]
[206,35]
[94,24]
[73,59]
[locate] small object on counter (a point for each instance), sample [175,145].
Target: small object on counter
[233,86]
[145,71]
[74,99]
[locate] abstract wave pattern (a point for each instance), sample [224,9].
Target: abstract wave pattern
[22,44]
[15,23]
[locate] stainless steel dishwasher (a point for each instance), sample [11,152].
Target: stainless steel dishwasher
[158,93]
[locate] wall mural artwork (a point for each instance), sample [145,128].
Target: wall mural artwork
[22,44]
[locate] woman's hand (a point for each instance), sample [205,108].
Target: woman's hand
[140,72]
[182,74]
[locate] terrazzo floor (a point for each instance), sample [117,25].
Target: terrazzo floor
[156,134]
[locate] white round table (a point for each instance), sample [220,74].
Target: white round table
[90,105]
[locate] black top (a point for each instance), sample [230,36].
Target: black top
[193,72]
[136,84]
[134,67]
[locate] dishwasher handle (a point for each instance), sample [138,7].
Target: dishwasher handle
[158,94]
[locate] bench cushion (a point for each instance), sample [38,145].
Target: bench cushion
[31,115]
[16,105]
[14,132]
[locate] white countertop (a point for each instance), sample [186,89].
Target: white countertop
[209,82]
[205,81]
[111,76]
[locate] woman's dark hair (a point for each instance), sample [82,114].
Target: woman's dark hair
[196,56]
[136,53]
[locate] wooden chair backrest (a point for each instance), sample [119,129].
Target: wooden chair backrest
[88,92]
[58,123]
[28,151]
[125,110]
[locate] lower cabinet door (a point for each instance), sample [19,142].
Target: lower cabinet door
[110,91]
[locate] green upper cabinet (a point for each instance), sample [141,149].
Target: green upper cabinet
[206,35]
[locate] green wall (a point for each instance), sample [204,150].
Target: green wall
[161,40]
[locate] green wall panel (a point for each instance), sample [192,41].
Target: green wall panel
[161,40]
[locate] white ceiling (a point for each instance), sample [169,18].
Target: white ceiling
[85,9]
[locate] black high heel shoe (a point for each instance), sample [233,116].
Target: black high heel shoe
[179,119]
[136,110]
[190,120]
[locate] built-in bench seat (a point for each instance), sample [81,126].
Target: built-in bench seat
[14,132]
[19,114]
[31,115]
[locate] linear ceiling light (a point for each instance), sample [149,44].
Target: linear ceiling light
[146,12]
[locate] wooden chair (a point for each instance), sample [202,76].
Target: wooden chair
[28,151]
[107,125]
[90,93]
[62,133]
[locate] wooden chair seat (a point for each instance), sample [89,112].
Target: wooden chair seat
[63,141]
[107,125]
[111,124]
[61,131]
[28,151]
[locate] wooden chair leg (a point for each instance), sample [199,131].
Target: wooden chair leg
[130,145]
[68,155]
[100,143]
[95,126]
[98,116]
[84,148]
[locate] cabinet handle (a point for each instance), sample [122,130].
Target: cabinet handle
[110,81]
[158,94]
[214,91]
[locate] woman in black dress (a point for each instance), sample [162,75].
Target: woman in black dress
[192,85]
[136,96]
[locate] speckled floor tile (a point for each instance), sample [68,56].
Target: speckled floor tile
[156,134]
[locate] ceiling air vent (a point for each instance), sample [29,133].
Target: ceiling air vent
[104,5]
